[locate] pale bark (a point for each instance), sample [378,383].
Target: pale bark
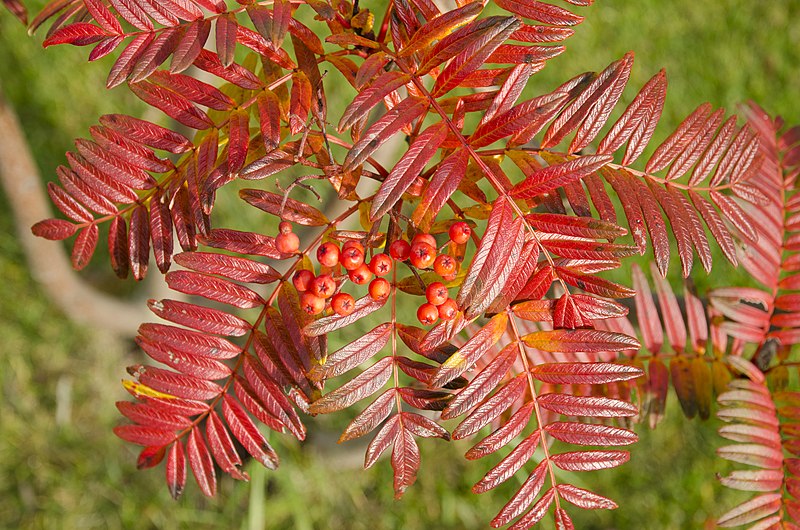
[47,261]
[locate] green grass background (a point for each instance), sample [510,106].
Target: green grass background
[73,473]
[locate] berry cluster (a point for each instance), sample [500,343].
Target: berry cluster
[319,291]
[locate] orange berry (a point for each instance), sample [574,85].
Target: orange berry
[427,314]
[400,250]
[424,238]
[328,254]
[445,265]
[381,264]
[436,293]
[351,258]
[284,227]
[287,243]
[353,243]
[311,304]
[302,280]
[361,275]
[379,288]
[422,255]
[459,232]
[449,277]
[448,310]
[323,286]
[343,304]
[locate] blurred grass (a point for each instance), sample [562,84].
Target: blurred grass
[60,466]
